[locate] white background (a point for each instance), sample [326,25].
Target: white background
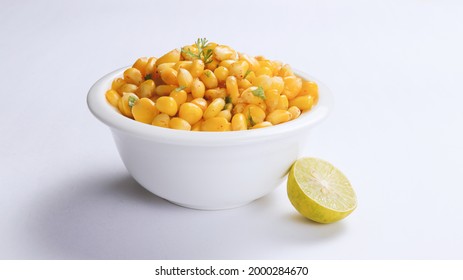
[395,68]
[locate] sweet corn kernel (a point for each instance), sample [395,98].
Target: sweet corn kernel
[185,79]
[179,123]
[172,56]
[144,110]
[262,125]
[201,103]
[169,76]
[197,88]
[190,112]
[293,86]
[161,120]
[214,108]
[221,73]
[304,102]
[179,96]
[278,116]
[113,97]
[216,124]
[167,105]
[209,79]
[163,90]
[239,122]
[295,112]
[146,89]
[133,76]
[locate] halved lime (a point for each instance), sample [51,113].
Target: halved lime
[319,191]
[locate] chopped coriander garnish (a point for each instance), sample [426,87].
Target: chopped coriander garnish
[205,55]
[148,77]
[247,73]
[259,92]
[228,99]
[132,100]
[180,88]
[207,73]
[251,121]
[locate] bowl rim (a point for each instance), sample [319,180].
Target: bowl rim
[109,115]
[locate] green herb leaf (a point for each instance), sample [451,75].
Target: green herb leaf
[180,88]
[148,77]
[207,73]
[132,99]
[228,99]
[247,73]
[251,121]
[259,92]
[190,53]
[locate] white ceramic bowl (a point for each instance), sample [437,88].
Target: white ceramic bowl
[207,170]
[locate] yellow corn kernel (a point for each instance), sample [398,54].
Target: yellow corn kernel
[214,93]
[253,63]
[239,122]
[226,63]
[140,64]
[209,79]
[271,99]
[276,67]
[164,66]
[278,116]
[254,114]
[262,125]
[179,96]
[126,102]
[232,88]
[179,123]
[197,126]
[197,88]
[185,64]
[260,57]
[127,88]
[225,114]
[278,83]
[133,76]
[146,89]
[285,71]
[228,107]
[309,88]
[164,90]
[212,65]
[161,120]
[223,52]
[169,76]
[167,105]
[190,112]
[250,76]
[304,102]
[244,83]
[144,110]
[197,68]
[113,97]
[150,67]
[214,108]
[263,70]
[248,96]
[283,102]
[172,56]
[293,86]
[221,73]
[264,81]
[188,50]
[184,79]
[295,112]
[201,103]
[117,83]
[265,63]
[216,124]
[239,108]
[238,69]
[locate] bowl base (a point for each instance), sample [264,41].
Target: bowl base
[210,208]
